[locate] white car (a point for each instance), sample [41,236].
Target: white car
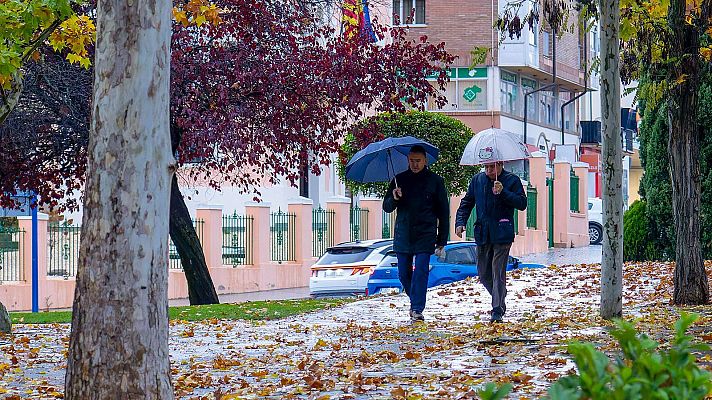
[595,220]
[344,269]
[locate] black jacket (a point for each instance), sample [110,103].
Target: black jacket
[495,222]
[423,212]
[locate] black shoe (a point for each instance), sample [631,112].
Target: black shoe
[496,317]
[416,316]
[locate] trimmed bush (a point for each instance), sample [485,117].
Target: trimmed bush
[638,241]
[446,133]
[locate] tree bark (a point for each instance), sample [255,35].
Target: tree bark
[10,97]
[690,280]
[5,323]
[119,340]
[200,286]
[612,261]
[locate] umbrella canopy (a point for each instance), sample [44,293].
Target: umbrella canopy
[494,145]
[381,161]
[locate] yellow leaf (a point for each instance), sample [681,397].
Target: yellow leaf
[74,58]
[681,79]
[180,16]
[706,53]
[200,20]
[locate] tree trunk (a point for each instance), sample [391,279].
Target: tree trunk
[200,286]
[612,262]
[119,340]
[10,97]
[5,323]
[684,149]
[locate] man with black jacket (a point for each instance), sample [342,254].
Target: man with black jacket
[421,225]
[495,193]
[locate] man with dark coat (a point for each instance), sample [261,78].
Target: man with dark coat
[494,193]
[421,225]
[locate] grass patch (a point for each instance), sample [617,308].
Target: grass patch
[251,310]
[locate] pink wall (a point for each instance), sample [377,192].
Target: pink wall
[571,229]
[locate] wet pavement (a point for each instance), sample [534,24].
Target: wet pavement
[577,255]
[369,349]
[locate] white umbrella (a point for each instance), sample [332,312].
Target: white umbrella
[494,145]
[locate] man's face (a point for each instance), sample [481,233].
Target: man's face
[416,162]
[493,170]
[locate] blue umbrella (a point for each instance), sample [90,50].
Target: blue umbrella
[381,161]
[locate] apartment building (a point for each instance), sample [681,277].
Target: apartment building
[493,93]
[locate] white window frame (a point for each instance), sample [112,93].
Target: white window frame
[402,14]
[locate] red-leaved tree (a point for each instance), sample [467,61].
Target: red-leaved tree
[262,96]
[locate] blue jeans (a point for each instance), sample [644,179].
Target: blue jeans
[415,282]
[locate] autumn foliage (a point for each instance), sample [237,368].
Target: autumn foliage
[259,91]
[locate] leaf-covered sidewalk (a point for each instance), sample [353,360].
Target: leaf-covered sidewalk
[369,349]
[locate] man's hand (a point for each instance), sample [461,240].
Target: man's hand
[459,230]
[497,188]
[397,193]
[439,251]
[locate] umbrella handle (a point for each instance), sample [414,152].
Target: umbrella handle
[392,169]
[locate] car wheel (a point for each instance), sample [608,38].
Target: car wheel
[595,233]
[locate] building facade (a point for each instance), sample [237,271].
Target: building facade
[518,68]
[513,88]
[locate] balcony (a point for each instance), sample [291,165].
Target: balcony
[627,140]
[591,135]
[591,132]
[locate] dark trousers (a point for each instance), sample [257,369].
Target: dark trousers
[415,282]
[492,268]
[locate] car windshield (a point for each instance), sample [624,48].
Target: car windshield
[388,260]
[344,255]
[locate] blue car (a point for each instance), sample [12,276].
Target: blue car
[458,262]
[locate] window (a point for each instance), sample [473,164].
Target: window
[450,94]
[529,85]
[466,91]
[509,97]
[595,42]
[460,255]
[472,94]
[534,36]
[408,12]
[547,43]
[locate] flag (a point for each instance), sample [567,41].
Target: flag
[356,19]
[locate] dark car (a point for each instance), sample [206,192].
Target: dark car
[458,262]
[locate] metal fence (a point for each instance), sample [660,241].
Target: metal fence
[531,207]
[358,218]
[12,240]
[389,224]
[63,242]
[574,192]
[237,239]
[173,256]
[283,236]
[322,230]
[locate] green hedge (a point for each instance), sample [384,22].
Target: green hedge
[639,243]
[448,134]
